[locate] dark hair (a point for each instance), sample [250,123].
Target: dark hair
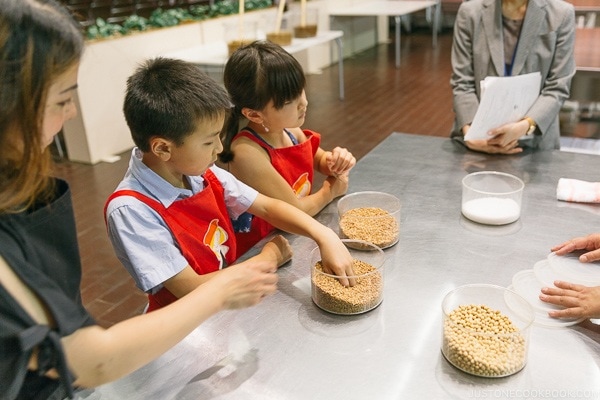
[254,75]
[167,98]
[39,41]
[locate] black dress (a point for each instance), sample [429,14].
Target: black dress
[40,245]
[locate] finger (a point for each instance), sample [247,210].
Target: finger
[590,256]
[562,248]
[569,286]
[515,150]
[341,275]
[344,281]
[351,278]
[564,301]
[573,312]
[559,293]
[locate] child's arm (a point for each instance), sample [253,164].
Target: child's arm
[336,258]
[96,355]
[337,162]
[276,252]
[252,166]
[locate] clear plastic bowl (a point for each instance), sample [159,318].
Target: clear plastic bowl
[331,296]
[372,217]
[492,198]
[498,345]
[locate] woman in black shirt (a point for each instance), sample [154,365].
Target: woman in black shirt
[49,344]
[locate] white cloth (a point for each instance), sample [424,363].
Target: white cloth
[578,191]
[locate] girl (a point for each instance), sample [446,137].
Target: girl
[272,153]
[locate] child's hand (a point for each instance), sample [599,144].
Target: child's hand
[339,160]
[246,284]
[338,184]
[279,248]
[336,259]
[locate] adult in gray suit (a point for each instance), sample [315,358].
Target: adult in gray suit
[513,37]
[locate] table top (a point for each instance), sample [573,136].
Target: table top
[587,49]
[585,5]
[217,54]
[383,8]
[286,348]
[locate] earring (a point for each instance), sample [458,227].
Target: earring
[265,128]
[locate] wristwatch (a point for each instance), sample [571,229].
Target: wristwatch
[532,126]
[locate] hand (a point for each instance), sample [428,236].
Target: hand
[338,185]
[580,301]
[336,259]
[590,242]
[494,145]
[509,133]
[339,161]
[280,250]
[246,284]
[484,146]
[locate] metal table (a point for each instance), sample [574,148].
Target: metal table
[287,349]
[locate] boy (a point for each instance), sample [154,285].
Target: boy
[170,219]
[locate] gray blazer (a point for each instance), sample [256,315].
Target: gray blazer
[545,44]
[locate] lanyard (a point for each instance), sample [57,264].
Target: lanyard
[508,67]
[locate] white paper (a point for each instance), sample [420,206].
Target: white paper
[503,99]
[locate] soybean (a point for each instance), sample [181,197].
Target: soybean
[329,294]
[482,341]
[371,224]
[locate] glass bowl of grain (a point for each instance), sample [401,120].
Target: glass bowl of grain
[485,330]
[372,217]
[491,197]
[330,295]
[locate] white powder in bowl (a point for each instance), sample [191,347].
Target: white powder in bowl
[491,210]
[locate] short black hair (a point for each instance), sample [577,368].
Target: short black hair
[167,98]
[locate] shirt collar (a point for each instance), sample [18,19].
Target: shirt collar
[156,186]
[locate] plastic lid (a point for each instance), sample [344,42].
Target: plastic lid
[526,284]
[545,274]
[543,319]
[570,269]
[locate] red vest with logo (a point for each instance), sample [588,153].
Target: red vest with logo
[201,227]
[296,165]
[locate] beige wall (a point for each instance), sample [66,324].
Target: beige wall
[99,132]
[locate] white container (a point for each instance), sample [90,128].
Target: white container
[492,198]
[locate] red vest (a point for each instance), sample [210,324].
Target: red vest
[296,165]
[201,227]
